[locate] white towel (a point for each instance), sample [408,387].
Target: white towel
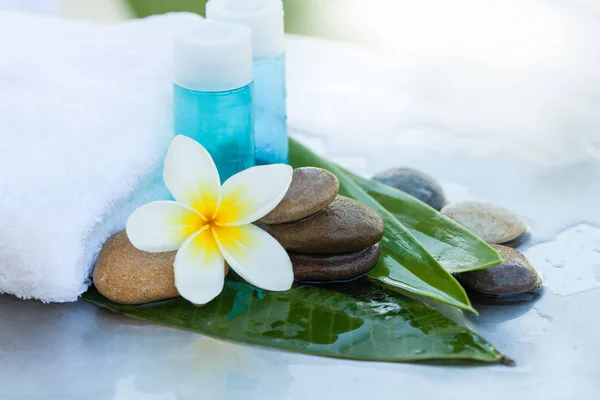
[85,119]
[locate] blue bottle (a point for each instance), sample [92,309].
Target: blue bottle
[265,18]
[213,92]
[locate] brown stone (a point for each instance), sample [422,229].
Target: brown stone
[343,227]
[126,275]
[514,275]
[311,190]
[331,268]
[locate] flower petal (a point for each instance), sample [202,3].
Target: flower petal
[191,176]
[199,268]
[162,226]
[255,256]
[251,194]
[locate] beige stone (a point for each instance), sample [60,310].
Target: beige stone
[126,275]
[490,222]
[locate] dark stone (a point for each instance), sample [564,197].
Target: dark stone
[311,191]
[515,275]
[343,227]
[415,183]
[518,241]
[331,268]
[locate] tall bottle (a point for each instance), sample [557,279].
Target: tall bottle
[265,18]
[213,92]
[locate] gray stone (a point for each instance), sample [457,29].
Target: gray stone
[311,191]
[126,275]
[331,268]
[343,227]
[492,223]
[515,275]
[415,183]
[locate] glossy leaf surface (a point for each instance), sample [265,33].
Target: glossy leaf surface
[455,248]
[405,264]
[355,321]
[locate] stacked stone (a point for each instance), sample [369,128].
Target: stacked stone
[329,237]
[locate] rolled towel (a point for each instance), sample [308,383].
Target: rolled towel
[86,119]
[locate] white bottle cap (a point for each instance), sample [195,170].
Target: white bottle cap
[264,17]
[213,56]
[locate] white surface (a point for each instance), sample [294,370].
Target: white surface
[356,106]
[213,56]
[264,17]
[86,117]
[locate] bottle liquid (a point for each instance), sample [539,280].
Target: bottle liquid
[213,92]
[265,18]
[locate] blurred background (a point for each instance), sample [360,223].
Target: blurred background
[351,20]
[302,16]
[521,74]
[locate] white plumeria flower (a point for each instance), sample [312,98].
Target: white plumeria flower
[210,224]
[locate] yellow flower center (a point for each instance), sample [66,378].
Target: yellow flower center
[209,231]
[227,212]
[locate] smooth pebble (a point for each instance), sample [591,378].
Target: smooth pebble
[415,183]
[515,275]
[126,275]
[311,191]
[330,268]
[490,222]
[343,227]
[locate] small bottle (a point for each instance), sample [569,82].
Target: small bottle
[265,18]
[213,92]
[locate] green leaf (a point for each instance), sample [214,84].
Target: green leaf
[145,8]
[405,263]
[356,321]
[455,248]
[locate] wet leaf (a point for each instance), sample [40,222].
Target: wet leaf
[356,321]
[405,264]
[454,247]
